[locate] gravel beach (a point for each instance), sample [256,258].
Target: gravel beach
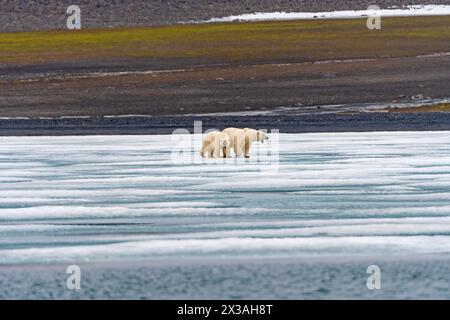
[49,15]
[330,122]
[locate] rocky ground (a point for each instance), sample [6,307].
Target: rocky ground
[257,88]
[18,15]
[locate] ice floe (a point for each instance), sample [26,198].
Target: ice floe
[91,198]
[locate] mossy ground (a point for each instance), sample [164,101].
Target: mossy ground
[307,40]
[443,107]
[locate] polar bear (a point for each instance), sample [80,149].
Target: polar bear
[242,139]
[213,143]
[237,137]
[252,135]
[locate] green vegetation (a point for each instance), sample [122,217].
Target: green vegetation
[443,107]
[234,42]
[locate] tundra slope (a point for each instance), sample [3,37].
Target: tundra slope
[223,68]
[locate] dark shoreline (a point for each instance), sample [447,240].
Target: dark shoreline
[329,122]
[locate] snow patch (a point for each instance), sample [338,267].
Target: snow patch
[407,11]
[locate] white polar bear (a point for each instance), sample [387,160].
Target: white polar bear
[242,139]
[237,137]
[213,143]
[252,135]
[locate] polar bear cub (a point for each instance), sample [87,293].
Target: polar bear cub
[242,139]
[213,143]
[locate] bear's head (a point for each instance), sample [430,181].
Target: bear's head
[224,140]
[261,136]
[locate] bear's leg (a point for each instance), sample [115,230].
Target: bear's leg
[217,152]
[238,151]
[247,147]
[227,152]
[204,149]
[235,147]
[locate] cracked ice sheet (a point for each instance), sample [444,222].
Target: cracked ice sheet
[128,197]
